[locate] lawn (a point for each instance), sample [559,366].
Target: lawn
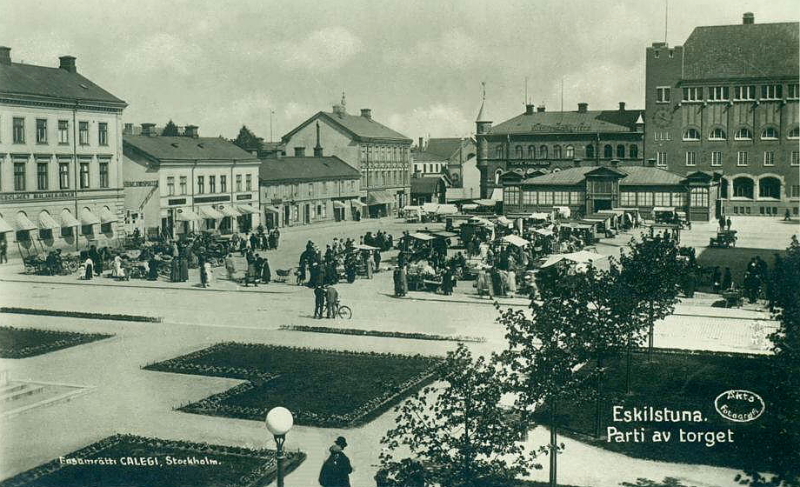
[682,381]
[133,461]
[28,342]
[322,388]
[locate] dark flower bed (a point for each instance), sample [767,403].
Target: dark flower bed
[323,388]
[27,342]
[378,333]
[80,314]
[134,461]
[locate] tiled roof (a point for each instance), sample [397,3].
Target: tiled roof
[633,176]
[185,148]
[358,126]
[27,79]
[446,147]
[569,122]
[427,157]
[742,51]
[425,184]
[306,169]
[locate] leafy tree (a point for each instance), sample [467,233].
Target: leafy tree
[247,140]
[458,436]
[170,129]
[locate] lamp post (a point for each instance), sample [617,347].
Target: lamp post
[279,422]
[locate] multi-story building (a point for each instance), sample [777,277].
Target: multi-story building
[458,152]
[539,141]
[726,102]
[380,154]
[175,185]
[60,153]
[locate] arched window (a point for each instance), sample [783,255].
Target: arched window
[590,151]
[498,152]
[608,151]
[557,152]
[531,152]
[620,151]
[718,134]
[743,133]
[543,152]
[794,133]
[518,152]
[633,151]
[769,133]
[769,187]
[497,176]
[743,187]
[570,152]
[691,134]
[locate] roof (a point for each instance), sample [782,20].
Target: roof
[742,51]
[185,148]
[631,176]
[357,126]
[306,169]
[447,147]
[426,156]
[570,122]
[28,79]
[426,184]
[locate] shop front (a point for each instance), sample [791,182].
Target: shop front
[380,203]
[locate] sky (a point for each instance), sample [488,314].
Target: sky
[418,64]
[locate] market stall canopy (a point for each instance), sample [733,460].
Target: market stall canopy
[469,206]
[581,226]
[503,220]
[663,209]
[357,203]
[445,234]
[88,218]
[229,211]
[430,207]
[612,212]
[210,213]
[186,215]
[106,216]
[447,210]
[564,210]
[485,202]
[380,198]
[67,220]
[480,221]
[597,218]
[516,240]
[338,204]
[547,232]
[46,222]
[579,257]
[4,226]
[539,216]
[272,209]
[23,223]
[247,209]
[422,236]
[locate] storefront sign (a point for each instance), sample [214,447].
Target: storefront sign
[211,199]
[39,195]
[177,201]
[513,163]
[140,184]
[240,197]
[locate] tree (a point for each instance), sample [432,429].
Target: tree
[170,129]
[459,435]
[247,140]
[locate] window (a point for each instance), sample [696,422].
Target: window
[84,175]
[223,184]
[545,197]
[795,160]
[63,131]
[63,175]
[620,151]
[184,184]
[771,92]
[248,183]
[531,152]
[662,94]
[41,131]
[543,152]
[19,176]
[645,198]
[561,197]
[104,174]
[201,184]
[693,94]
[83,133]
[744,93]
[661,159]
[795,191]
[498,152]
[698,197]
[743,133]
[608,151]
[718,134]
[170,185]
[576,197]
[570,152]
[557,152]
[716,158]
[678,199]
[518,151]
[794,91]
[741,158]
[691,134]
[602,187]
[769,158]
[238,183]
[633,151]
[19,130]
[769,187]
[529,198]
[743,187]
[627,198]
[511,196]
[718,93]
[41,176]
[102,133]
[794,133]
[661,198]
[590,152]
[212,184]
[769,133]
[691,158]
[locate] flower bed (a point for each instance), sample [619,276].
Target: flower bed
[28,342]
[151,462]
[378,333]
[80,314]
[323,388]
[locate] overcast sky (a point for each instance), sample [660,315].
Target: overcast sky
[417,63]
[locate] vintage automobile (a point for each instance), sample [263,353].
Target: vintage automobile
[724,239]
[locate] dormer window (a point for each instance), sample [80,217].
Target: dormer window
[718,134]
[691,134]
[744,133]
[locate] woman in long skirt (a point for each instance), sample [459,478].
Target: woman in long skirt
[184,263]
[203,275]
[266,272]
[175,269]
[89,265]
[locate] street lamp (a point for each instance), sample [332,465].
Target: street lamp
[279,422]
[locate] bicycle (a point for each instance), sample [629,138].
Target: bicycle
[343,312]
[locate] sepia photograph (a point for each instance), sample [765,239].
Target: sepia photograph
[400,243]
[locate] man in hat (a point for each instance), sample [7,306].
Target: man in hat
[337,469]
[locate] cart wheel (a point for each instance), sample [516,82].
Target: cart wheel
[345,312]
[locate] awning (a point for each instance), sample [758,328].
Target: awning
[229,211]
[186,215]
[210,213]
[106,216]
[357,203]
[515,240]
[430,207]
[46,222]
[422,236]
[497,194]
[247,209]
[88,218]
[67,220]
[612,212]
[338,204]
[663,209]
[469,206]
[444,234]
[539,216]
[480,221]
[5,227]
[485,202]
[272,209]
[447,210]
[23,223]
[502,220]
[546,232]
[380,198]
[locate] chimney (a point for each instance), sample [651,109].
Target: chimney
[5,55]
[748,18]
[540,108]
[529,109]
[421,144]
[299,151]
[148,129]
[68,64]
[651,163]
[583,107]
[318,147]
[366,113]
[576,162]
[128,129]
[191,131]
[622,106]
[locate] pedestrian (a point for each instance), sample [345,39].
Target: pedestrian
[396,276]
[251,274]
[728,223]
[377,260]
[319,301]
[331,301]
[266,272]
[727,279]
[787,216]
[447,282]
[722,222]
[174,270]
[201,263]
[4,249]
[152,274]
[185,266]
[230,267]
[716,279]
[209,273]
[337,468]
[89,268]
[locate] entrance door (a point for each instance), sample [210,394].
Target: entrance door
[286,215]
[602,205]
[307,214]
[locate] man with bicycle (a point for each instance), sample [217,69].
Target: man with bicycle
[331,300]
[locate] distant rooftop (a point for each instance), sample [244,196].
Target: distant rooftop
[306,169]
[581,120]
[186,148]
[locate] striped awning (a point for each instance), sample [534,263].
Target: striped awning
[210,213]
[23,223]
[67,220]
[88,218]
[186,215]
[247,209]
[46,222]
[229,211]
[106,216]
[4,226]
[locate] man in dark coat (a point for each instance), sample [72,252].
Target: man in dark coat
[336,470]
[319,301]
[266,272]
[728,223]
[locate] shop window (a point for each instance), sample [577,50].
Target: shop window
[743,187]
[87,229]
[23,236]
[769,187]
